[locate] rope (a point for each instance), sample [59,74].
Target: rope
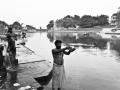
[32,51]
[32,62]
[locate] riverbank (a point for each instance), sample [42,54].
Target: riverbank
[87,68]
[94,29]
[30,66]
[77,30]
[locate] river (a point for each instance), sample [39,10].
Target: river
[94,65]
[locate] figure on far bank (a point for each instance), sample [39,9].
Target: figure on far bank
[23,35]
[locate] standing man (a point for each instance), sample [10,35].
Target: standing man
[23,35]
[11,46]
[3,72]
[58,64]
[1,57]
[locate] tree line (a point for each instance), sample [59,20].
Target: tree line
[16,25]
[86,21]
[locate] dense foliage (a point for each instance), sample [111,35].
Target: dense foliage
[50,25]
[16,25]
[75,21]
[3,24]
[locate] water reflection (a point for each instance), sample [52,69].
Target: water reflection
[115,46]
[83,69]
[80,39]
[88,42]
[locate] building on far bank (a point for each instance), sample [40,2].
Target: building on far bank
[118,18]
[114,19]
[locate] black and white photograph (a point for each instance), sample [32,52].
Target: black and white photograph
[59,44]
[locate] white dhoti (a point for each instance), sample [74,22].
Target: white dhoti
[58,76]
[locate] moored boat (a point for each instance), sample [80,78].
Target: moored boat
[111,31]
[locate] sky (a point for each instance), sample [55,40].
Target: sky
[39,12]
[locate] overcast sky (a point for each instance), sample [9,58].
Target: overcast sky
[40,12]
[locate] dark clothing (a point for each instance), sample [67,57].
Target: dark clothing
[11,49]
[23,35]
[11,46]
[1,56]
[3,74]
[1,60]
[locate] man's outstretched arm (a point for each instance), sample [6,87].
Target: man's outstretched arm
[59,50]
[68,52]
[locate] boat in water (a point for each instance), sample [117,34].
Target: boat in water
[111,31]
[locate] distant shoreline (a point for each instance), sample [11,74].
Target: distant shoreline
[78,30]
[94,29]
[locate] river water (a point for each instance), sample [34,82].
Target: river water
[94,65]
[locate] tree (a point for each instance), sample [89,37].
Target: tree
[90,21]
[86,21]
[67,23]
[17,25]
[50,25]
[3,24]
[103,20]
[60,23]
[76,17]
[68,16]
